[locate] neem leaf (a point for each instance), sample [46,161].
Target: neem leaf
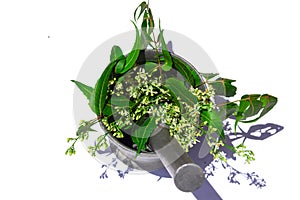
[121,100]
[146,40]
[186,71]
[141,135]
[179,89]
[150,22]
[250,105]
[150,66]
[144,35]
[145,21]
[98,97]
[228,109]
[107,111]
[167,66]
[142,7]
[213,119]
[133,55]
[268,102]
[120,64]
[244,105]
[173,96]
[116,53]
[86,90]
[223,87]
[209,76]
[255,105]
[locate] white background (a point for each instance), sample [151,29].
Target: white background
[255,42]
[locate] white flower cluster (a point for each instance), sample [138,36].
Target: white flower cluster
[164,113]
[145,84]
[155,100]
[189,127]
[186,129]
[204,97]
[113,127]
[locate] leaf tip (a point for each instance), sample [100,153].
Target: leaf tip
[133,23]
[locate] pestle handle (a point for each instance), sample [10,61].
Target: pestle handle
[187,176]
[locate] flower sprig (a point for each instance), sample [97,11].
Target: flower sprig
[132,92]
[82,134]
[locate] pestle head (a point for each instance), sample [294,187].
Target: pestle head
[189,177]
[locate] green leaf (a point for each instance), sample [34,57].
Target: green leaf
[120,101]
[228,109]
[179,89]
[107,111]
[255,105]
[120,65]
[268,102]
[145,22]
[86,90]
[144,35]
[142,7]
[223,87]
[250,105]
[150,22]
[187,71]
[116,53]
[146,40]
[213,119]
[244,104]
[209,76]
[99,95]
[150,66]
[120,79]
[83,129]
[134,54]
[141,135]
[167,66]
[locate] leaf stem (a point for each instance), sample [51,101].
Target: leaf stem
[156,42]
[74,141]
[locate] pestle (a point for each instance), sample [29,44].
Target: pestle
[187,175]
